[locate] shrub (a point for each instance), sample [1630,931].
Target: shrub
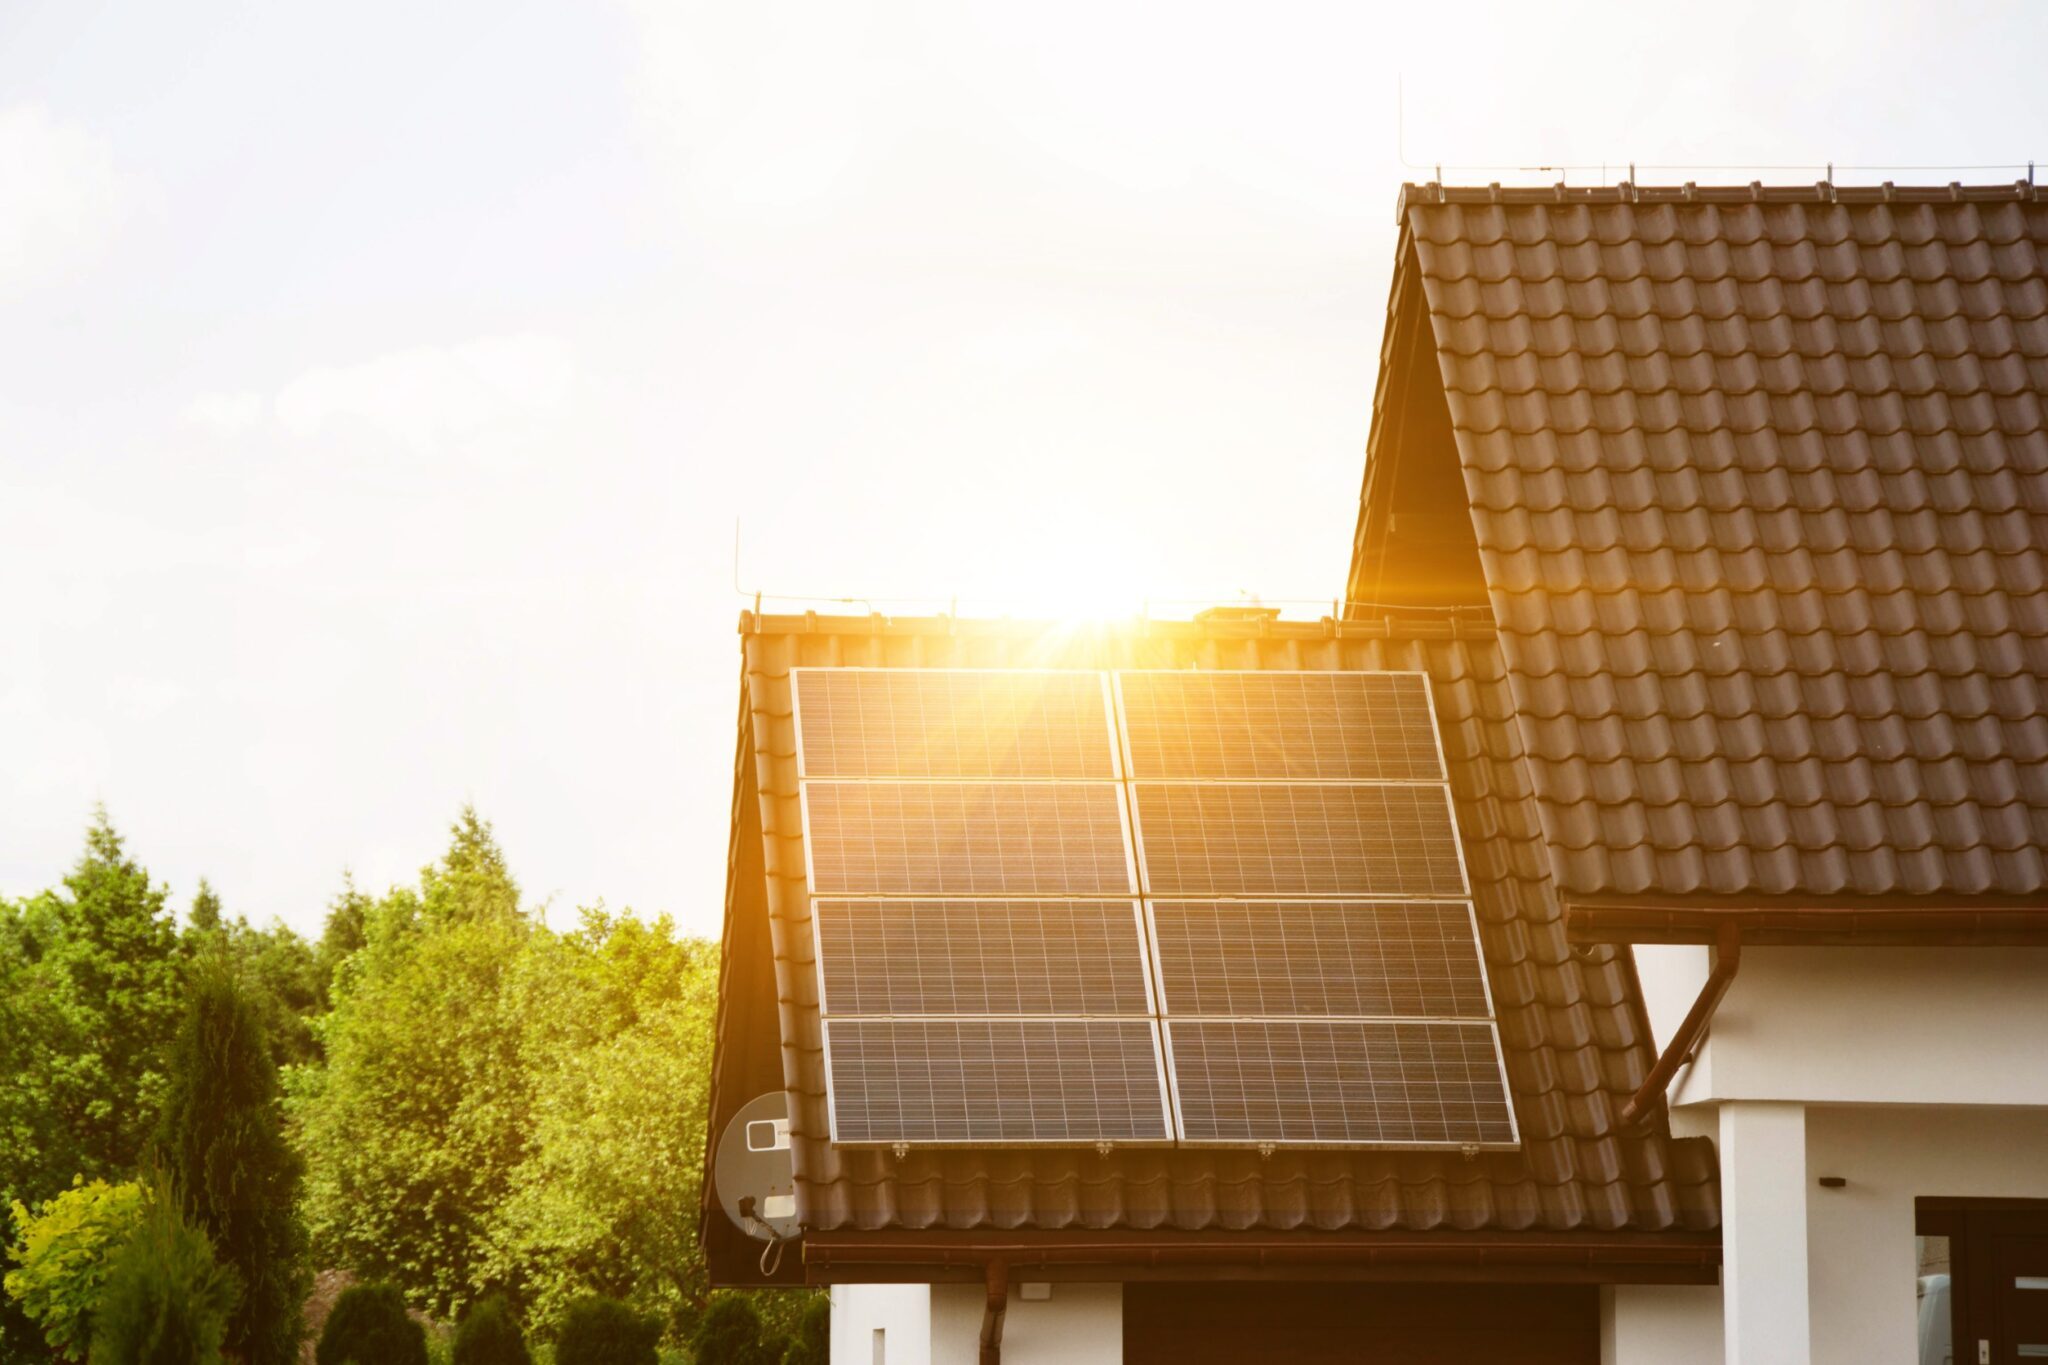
[489,1335]
[729,1333]
[166,1300]
[369,1326]
[67,1246]
[606,1332]
[812,1344]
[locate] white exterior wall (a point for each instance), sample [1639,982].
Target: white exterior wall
[1910,1072]
[882,1324]
[1075,1324]
[1660,1324]
[1860,1237]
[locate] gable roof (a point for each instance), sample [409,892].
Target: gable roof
[1758,485]
[1571,1022]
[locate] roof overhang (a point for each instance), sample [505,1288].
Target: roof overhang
[1812,921]
[1115,1254]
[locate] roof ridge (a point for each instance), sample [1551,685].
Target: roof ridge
[1755,192]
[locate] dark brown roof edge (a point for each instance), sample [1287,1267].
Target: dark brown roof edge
[1764,921]
[1819,192]
[1462,623]
[1120,1254]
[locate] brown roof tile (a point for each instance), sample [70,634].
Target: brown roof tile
[1759,481]
[1573,1031]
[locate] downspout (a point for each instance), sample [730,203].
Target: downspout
[998,1304]
[1727,958]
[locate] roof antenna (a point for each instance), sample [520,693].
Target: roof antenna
[1831,173]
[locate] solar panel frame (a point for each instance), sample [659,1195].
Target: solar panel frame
[1160,1020]
[822,906]
[1164,975]
[1126,681]
[1511,1141]
[1167,1136]
[806,803]
[1151,890]
[1112,736]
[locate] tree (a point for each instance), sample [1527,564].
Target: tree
[607,1199]
[221,1140]
[167,1299]
[346,930]
[281,969]
[113,942]
[88,997]
[67,1246]
[413,1127]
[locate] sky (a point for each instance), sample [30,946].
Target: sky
[392,395]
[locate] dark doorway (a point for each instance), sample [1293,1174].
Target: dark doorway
[1998,1277]
[1361,1324]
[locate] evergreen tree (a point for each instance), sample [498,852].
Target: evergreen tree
[204,917]
[221,1140]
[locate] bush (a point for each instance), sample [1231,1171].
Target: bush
[812,1344]
[606,1332]
[369,1326]
[166,1300]
[489,1335]
[67,1246]
[729,1333]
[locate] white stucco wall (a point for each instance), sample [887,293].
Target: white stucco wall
[1660,1324]
[1862,1025]
[900,1313]
[1075,1324]
[1860,1237]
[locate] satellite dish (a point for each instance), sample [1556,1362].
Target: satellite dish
[756,1175]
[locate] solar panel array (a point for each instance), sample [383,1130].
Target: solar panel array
[1205,907]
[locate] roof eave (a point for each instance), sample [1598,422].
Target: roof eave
[1811,921]
[1116,1254]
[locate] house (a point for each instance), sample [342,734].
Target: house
[1716,521]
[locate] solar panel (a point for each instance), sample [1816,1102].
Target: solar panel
[863,722]
[1359,958]
[1296,839]
[1037,894]
[966,838]
[1358,727]
[1339,1082]
[982,957]
[995,1081]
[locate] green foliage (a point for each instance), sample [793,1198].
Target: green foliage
[600,1331]
[221,1138]
[415,1125]
[65,1249]
[811,1344]
[166,1299]
[369,1326]
[489,1335]
[88,998]
[287,983]
[730,1333]
[620,1043]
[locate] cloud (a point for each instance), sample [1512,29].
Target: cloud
[61,198]
[426,398]
[227,413]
